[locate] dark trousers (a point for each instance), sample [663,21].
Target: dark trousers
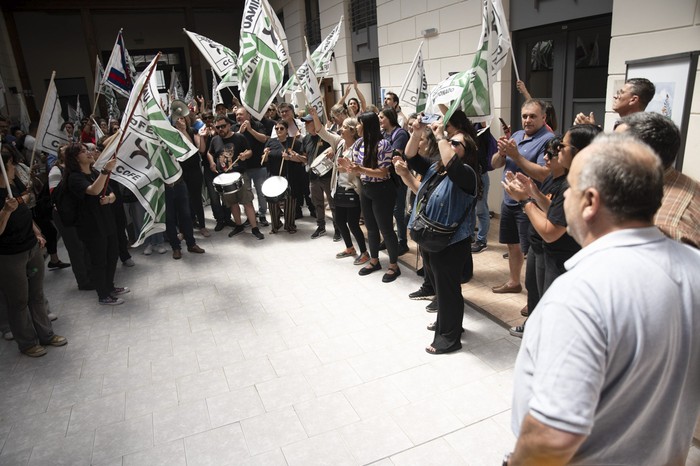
[319,187]
[289,206]
[347,220]
[177,215]
[193,179]
[103,252]
[377,201]
[220,212]
[49,232]
[22,284]
[534,277]
[400,212]
[445,268]
[120,221]
[78,255]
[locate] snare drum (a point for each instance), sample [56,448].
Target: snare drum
[275,189]
[321,165]
[228,183]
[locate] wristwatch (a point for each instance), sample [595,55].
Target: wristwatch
[526,201]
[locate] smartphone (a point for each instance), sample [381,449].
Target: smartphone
[427,119]
[504,125]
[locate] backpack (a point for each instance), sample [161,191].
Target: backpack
[66,203]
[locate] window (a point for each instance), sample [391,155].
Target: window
[363,14]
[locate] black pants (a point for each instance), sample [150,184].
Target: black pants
[534,277]
[177,215]
[49,232]
[103,260]
[78,255]
[377,201]
[445,268]
[193,179]
[220,212]
[122,241]
[348,220]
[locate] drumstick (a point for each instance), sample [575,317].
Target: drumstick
[282,164]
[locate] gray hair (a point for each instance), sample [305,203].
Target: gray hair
[627,174]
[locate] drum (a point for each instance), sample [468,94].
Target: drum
[321,165]
[227,183]
[275,189]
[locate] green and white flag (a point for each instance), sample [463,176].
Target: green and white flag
[148,157]
[221,58]
[414,92]
[263,56]
[189,97]
[321,59]
[309,84]
[477,82]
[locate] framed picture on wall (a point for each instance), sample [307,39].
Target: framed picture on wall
[674,79]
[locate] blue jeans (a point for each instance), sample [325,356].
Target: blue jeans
[258,176]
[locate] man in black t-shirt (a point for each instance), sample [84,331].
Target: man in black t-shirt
[255,134]
[230,152]
[313,146]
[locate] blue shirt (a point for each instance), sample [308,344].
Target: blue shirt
[532,149]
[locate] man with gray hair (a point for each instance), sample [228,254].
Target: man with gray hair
[679,215]
[608,370]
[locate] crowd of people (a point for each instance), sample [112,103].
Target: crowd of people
[425,178]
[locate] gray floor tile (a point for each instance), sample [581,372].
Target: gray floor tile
[370,399]
[375,438]
[73,450]
[89,415]
[201,385]
[435,453]
[273,430]
[122,438]
[234,406]
[167,454]
[222,446]
[36,429]
[326,413]
[150,398]
[284,391]
[321,450]
[181,421]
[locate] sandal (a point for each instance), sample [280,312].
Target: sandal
[362,259]
[345,253]
[431,350]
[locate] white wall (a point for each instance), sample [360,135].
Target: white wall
[644,29]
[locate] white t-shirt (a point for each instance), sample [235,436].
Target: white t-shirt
[613,351]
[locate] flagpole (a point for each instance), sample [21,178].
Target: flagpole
[97,98]
[4,177]
[128,120]
[515,66]
[43,108]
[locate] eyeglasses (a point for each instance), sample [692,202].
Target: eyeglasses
[220,126]
[550,154]
[456,143]
[562,146]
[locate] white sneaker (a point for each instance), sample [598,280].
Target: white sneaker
[148,250]
[52,316]
[160,249]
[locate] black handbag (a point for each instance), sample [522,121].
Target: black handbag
[430,235]
[346,197]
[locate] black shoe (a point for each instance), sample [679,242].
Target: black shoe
[57,265]
[422,293]
[236,230]
[256,232]
[403,249]
[391,275]
[320,231]
[432,307]
[369,268]
[230,223]
[336,236]
[262,221]
[382,246]
[219,225]
[420,272]
[478,247]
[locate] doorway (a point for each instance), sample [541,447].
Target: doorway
[565,64]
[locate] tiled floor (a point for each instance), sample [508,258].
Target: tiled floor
[256,353]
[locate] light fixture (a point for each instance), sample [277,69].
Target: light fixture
[430,32]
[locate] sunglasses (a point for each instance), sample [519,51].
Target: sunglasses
[562,146]
[456,143]
[281,128]
[220,126]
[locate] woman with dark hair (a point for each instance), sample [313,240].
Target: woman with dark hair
[22,270]
[69,129]
[372,162]
[354,106]
[95,221]
[446,193]
[550,244]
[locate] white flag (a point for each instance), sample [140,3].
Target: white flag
[309,83]
[262,59]
[221,58]
[499,40]
[148,155]
[414,92]
[216,98]
[49,135]
[321,58]
[99,134]
[24,121]
[189,97]
[176,90]
[99,73]
[78,110]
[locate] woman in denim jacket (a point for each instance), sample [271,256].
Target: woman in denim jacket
[448,203]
